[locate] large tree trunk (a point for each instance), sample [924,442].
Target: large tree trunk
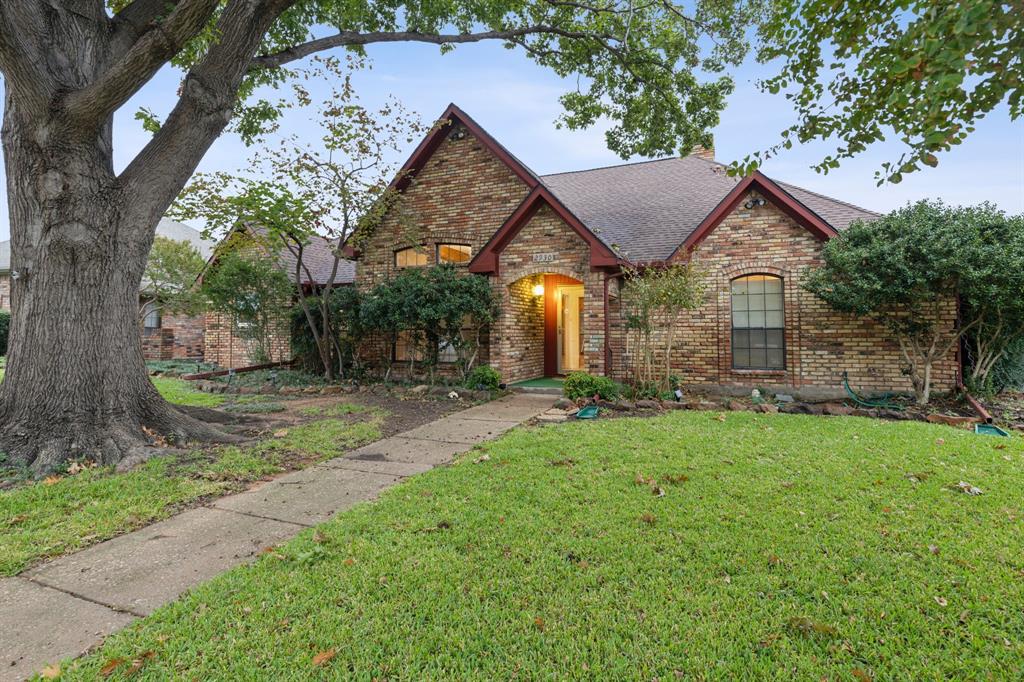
[76,384]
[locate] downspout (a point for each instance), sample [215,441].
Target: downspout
[607,325]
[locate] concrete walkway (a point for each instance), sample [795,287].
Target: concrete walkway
[68,605]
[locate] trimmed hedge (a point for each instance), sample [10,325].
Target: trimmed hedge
[484,377]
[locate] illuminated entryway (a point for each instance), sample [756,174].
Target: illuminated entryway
[563,325]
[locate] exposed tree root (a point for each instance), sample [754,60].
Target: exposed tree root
[123,439]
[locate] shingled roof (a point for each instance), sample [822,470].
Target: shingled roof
[645,210]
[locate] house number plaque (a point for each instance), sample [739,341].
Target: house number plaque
[543,257]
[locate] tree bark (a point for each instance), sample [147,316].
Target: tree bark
[76,383]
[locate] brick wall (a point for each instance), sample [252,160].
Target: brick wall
[517,346]
[820,343]
[462,195]
[189,336]
[157,344]
[225,348]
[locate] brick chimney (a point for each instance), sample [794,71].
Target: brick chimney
[702,152]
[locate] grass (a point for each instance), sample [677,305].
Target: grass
[691,545]
[58,515]
[181,393]
[61,515]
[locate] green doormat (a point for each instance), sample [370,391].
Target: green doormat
[989,430]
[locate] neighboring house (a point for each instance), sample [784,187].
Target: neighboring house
[225,347]
[164,337]
[555,246]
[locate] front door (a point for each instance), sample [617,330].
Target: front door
[563,325]
[570,328]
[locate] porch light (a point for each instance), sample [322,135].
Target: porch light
[538,289]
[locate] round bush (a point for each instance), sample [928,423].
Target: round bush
[484,377]
[582,385]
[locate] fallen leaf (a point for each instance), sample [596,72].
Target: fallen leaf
[50,672]
[50,480]
[657,492]
[774,560]
[137,663]
[676,479]
[934,549]
[965,487]
[940,441]
[281,433]
[648,518]
[539,623]
[809,626]
[862,675]
[482,458]
[964,617]
[349,561]
[721,417]
[111,666]
[941,601]
[323,657]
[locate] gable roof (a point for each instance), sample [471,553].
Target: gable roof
[639,211]
[454,115]
[317,258]
[646,210]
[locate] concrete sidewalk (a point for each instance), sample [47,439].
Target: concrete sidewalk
[66,606]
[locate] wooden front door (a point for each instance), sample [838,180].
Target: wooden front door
[563,325]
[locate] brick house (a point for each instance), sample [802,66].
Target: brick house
[554,248]
[164,336]
[224,346]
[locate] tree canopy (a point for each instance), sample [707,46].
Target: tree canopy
[863,71]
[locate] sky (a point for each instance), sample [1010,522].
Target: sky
[517,102]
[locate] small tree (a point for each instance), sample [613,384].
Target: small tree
[655,300]
[906,271]
[314,192]
[251,290]
[169,282]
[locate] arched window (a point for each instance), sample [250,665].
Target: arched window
[758,323]
[411,257]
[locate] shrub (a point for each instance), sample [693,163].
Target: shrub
[582,385]
[5,325]
[484,376]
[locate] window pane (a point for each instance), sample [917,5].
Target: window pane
[446,352]
[757,319]
[757,339]
[773,285]
[755,302]
[741,338]
[410,257]
[773,318]
[775,359]
[151,320]
[453,253]
[758,358]
[774,338]
[773,301]
[756,285]
[740,319]
[739,286]
[740,357]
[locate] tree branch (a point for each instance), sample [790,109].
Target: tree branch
[209,92]
[345,38]
[158,43]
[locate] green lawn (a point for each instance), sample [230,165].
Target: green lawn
[181,393]
[692,545]
[62,514]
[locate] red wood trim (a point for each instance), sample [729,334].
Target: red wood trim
[240,370]
[486,261]
[778,196]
